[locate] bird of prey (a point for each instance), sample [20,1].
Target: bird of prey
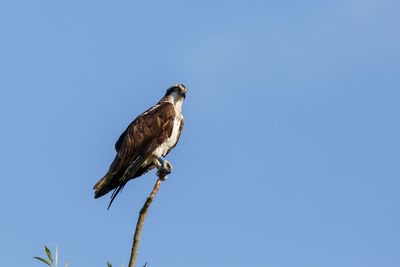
[145,143]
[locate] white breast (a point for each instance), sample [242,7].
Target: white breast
[170,142]
[174,136]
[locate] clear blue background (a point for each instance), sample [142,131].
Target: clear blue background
[290,151]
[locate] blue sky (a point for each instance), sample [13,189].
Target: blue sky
[290,151]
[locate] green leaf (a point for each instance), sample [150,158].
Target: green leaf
[41,259]
[56,259]
[109,264]
[67,263]
[48,254]
[122,265]
[145,264]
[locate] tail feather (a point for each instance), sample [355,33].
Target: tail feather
[103,186]
[115,193]
[112,181]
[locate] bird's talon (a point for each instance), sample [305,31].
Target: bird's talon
[167,166]
[164,170]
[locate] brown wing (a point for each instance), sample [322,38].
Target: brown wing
[144,169]
[134,141]
[142,137]
[142,132]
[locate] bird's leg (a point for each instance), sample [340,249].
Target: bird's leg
[159,162]
[164,168]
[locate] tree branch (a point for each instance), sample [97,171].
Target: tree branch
[142,217]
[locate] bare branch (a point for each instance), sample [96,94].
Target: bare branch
[142,216]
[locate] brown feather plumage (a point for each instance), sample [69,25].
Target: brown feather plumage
[149,136]
[135,146]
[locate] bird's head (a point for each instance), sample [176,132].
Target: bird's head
[177,89]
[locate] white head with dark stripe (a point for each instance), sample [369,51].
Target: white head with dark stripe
[177,91]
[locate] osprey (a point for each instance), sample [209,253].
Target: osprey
[145,143]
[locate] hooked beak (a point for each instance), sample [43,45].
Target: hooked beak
[183,94]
